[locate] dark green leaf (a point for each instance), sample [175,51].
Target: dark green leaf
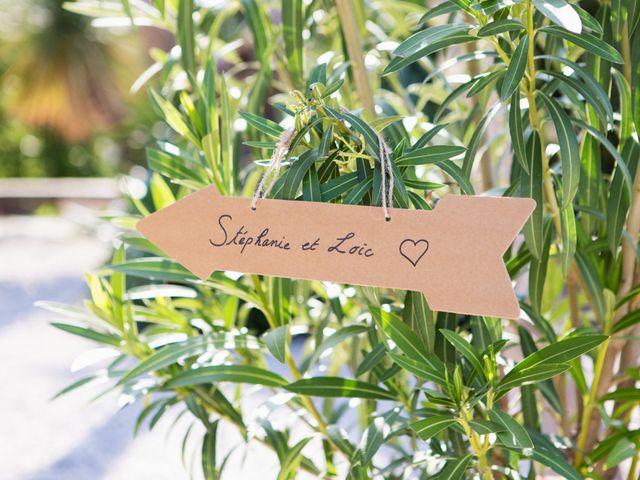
[406,340]
[515,70]
[424,38]
[429,155]
[531,186]
[432,426]
[263,124]
[500,26]
[630,319]
[420,317]
[561,353]
[339,387]
[569,150]
[399,63]
[454,469]
[226,373]
[516,131]
[292,26]
[515,434]
[465,348]
[590,43]
[94,335]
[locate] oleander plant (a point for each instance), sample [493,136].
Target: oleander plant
[520,98]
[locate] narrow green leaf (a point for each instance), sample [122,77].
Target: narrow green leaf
[458,176]
[264,125]
[311,191]
[275,340]
[484,80]
[533,375]
[628,320]
[546,453]
[432,426]
[337,186]
[500,26]
[209,453]
[432,369]
[590,43]
[516,131]
[399,63]
[226,373]
[465,348]
[592,282]
[292,459]
[428,136]
[618,201]
[420,317]
[623,450]
[334,387]
[568,234]
[174,118]
[280,294]
[569,150]
[398,331]
[257,19]
[187,36]
[292,26]
[424,38]
[515,435]
[371,359]
[191,347]
[106,338]
[561,352]
[515,70]
[531,187]
[587,20]
[161,194]
[538,270]
[628,394]
[429,155]
[601,106]
[296,173]
[454,469]
[376,434]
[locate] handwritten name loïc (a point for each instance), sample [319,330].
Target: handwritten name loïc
[243,239]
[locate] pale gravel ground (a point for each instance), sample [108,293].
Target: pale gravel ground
[71,438]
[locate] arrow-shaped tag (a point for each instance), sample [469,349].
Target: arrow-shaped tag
[452,254]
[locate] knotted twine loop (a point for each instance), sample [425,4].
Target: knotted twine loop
[385,166]
[280,152]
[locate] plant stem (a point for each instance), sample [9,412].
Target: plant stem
[534,119]
[626,51]
[590,402]
[479,448]
[351,33]
[633,469]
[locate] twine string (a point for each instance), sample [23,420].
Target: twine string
[386,167]
[279,154]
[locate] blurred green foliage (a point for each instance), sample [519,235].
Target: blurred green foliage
[65,105]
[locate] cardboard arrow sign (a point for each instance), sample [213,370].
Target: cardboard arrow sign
[453,254]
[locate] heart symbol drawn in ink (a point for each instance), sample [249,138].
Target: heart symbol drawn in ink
[414,250]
